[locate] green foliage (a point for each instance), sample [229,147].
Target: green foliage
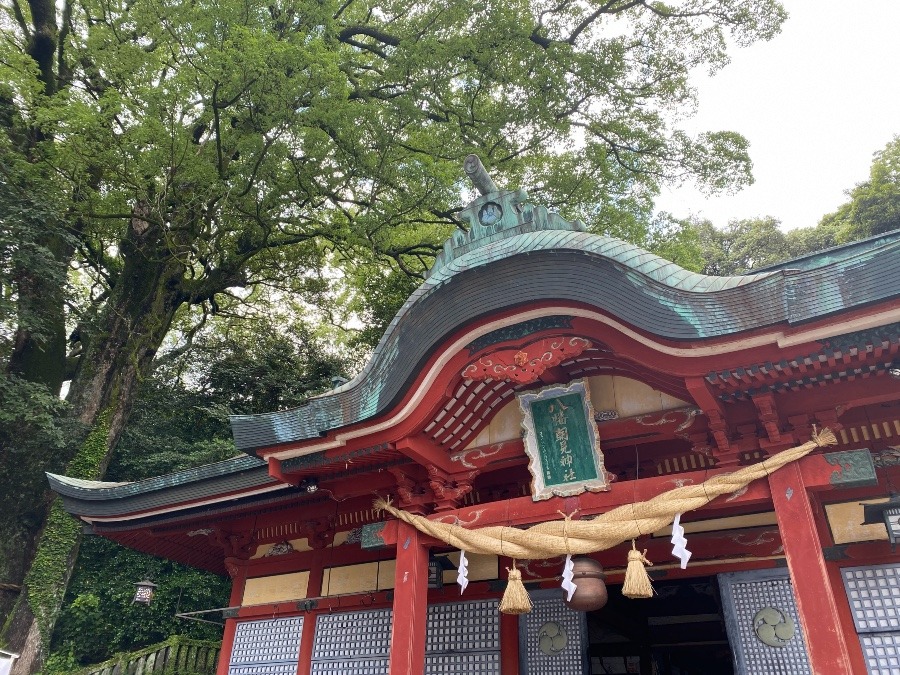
[266,141]
[33,439]
[28,217]
[60,663]
[742,245]
[193,153]
[65,662]
[180,418]
[99,618]
[378,296]
[263,371]
[874,205]
[678,241]
[746,245]
[46,580]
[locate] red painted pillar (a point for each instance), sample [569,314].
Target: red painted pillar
[845,615]
[826,642]
[410,604]
[307,639]
[238,573]
[509,644]
[313,590]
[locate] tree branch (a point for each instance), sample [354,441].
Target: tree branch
[20,19]
[369,31]
[190,334]
[220,166]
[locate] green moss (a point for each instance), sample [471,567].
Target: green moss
[47,578]
[176,665]
[86,463]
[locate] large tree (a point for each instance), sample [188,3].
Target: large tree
[179,420]
[158,156]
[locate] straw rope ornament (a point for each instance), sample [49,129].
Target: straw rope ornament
[630,521]
[637,581]
[515,598]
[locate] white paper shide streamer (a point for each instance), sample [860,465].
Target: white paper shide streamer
[568,573]
[679,542]
[462,574]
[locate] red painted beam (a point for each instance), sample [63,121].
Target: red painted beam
[238,579]
[424,452]
[489,456]
[307,642]
[845,617]
[523,510]
[815,469]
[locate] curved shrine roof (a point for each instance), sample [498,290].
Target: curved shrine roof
[514,255]
[527,255]
[92,497]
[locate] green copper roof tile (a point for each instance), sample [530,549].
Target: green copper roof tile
[572,266]
[102,490]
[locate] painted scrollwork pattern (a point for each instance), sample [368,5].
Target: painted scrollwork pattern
[526,365]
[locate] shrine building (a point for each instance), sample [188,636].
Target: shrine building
[544,376]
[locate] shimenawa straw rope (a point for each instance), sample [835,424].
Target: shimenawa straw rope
[556,538]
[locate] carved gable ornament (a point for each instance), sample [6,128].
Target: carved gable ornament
[561,442]
[526,365]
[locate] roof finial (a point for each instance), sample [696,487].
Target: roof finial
[478,175]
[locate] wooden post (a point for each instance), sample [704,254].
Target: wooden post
[238,573]
[313,590]
[826,643]
[509,644]
[410,603]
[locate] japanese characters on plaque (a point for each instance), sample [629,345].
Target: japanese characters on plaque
[561,441]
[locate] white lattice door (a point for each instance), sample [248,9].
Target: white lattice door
[352,643]
[269,647]
[874,595]
[763,623]
[552,637]
[463,638]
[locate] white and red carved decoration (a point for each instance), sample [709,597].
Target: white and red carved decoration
[526,365]
[448,489]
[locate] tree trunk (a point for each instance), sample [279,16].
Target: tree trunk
[118,352]
[39,346]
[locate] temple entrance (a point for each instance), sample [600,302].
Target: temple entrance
[680,631]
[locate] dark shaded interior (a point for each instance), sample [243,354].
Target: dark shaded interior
[680,631]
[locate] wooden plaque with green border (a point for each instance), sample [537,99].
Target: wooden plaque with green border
[561,442]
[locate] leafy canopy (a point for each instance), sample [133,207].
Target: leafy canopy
[267,139]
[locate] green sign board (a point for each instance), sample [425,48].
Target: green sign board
[564,443]
[561,441]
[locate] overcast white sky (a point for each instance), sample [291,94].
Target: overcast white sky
[815,103]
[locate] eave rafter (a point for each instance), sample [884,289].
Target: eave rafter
[842,358]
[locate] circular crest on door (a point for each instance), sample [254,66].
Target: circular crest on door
[773,627]
[552,638]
